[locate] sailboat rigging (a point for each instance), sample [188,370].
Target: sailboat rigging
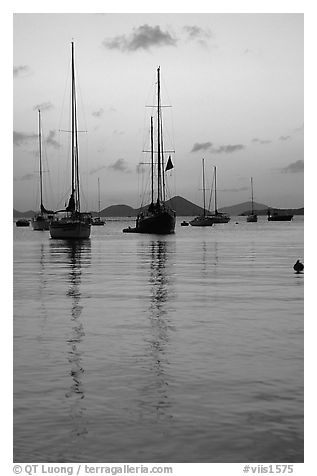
[218,217]
[158,217]
[204,219]
[41,221]
[73,224]
[252,218]
[97,221]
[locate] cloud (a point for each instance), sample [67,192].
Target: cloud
[294,167]
[261,141]
[284,137]
[97,169]
[119,166]
[27,177]
[201,146]
[51,140]
[142,38]
[222,149]
[20,138]
[196,33]
[98,113]
[21,71]
[45,106]
[227,149]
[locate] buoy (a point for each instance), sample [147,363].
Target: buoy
[298,266]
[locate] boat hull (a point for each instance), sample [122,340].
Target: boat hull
[280,218]
[202,221]
[21,223]
[162,223]
[219,219]
[70,230]
[41,224]
[252,218]
[97,222]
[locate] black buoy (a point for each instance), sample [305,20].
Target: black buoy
[298,266]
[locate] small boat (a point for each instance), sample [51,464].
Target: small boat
[218,217]
[158,217]
[205,218]
[41,221]
[97,221]
[72,224]
[22,222]
[184,223]
[298,267]
[252,218]
[276,216]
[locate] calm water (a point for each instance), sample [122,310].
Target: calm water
[141,348]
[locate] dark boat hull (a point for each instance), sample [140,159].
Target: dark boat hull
[40,223]
[20,223]
[220,218]
[202,221]
[161,223]
[252,219]
[280,218]
[70,230]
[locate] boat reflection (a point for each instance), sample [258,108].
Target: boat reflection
[155,395]
[76,256]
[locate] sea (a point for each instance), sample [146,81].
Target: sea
[183,348]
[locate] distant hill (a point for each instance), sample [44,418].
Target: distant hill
[118,211]
[27,214]
[243,208]
[182,207]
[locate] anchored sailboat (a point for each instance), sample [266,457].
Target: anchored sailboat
[205,219]
[73,224]
[252,218]
[158,217]
[218,217]
[41,221]
[97,221]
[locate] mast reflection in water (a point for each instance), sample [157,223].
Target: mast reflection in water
[76,254]
[155,394]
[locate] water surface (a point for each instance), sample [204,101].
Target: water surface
[146,348]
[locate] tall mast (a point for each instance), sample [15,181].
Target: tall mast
[98,197]
[158,136]
[152,162]
[203,160]
[251,196]
[215,190]
[75,171]
[40,152]
[162,164]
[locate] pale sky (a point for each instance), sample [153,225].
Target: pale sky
[235,83]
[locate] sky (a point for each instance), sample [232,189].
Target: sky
[234,81]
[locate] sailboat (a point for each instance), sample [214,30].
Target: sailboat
[218,217]
[97,220]
[204,219]
[158,217]
[277,216]
[41,221]
[73,224]
[253,217]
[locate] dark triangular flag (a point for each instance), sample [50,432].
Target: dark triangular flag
[169,164]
